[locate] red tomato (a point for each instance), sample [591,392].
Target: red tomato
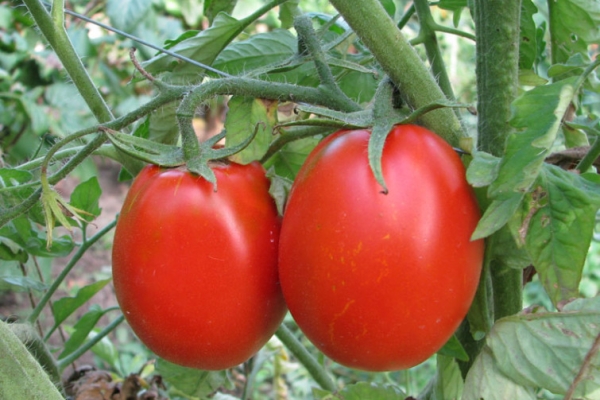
[194,270]
[380,282]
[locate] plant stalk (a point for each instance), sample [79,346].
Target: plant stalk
[313,367]
[400,62]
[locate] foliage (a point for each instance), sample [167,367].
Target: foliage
[277,76]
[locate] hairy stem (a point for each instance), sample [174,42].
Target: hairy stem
[400,62]
[313,367]
[63,274]
[434,55]
[64,362]
[58,39]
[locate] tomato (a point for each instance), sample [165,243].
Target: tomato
[380,281]
[194,270]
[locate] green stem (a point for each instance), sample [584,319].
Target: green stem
[400,62]
[313,367]
[63,274]
[434,55]
[497,47]
[303,25]
[58,39]
[64,362]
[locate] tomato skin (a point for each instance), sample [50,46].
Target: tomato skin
[380,282]
[194,270]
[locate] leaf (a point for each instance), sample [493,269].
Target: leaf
[126,14]
[21,376]
[537,115]
[279,189]
[573,66]
[22,283]
[447,382]
[485,381]
[528,32]
[147,150]
[244,114]
[556,223]
[496,215]
[20,231]
[483,169]
[204,48]
[67,305]
[258,51]
[191,383]
[287,11]
[86,195]
[361,391]
[453,348]
[214,7]
[82,329]
[389,6]
[546,350]
[575,26]
[288,160]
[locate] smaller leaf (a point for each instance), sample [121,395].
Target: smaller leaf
[496,215]
[483,169]
[86,195]
[454,349]
[152,152]
[66,306]
[279,189]
[22,283]
[81,330]
[191,383]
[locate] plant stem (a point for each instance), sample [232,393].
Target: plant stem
[434,55]
[63,362]
[63,274]
[303,25]
[61,44]
[313,367]
[400,62]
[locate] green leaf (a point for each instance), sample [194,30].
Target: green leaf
[279,189]
[361,391]
[389,6]
[287,11]
[486,381]
[496,215]
[542,350]
[204,48]
[105,350]
[165,155]
[188,382]
[126,14]
[67,305]
[556,223]
[289,159]
[573,66]
[242,118]
[453,348]
[27,236]
[575,26]
[21,376]
[447,382]
[528,31]
[537,115]
[483,169]
[85,197]
[21,284]
[214,7]
[82,329]
[258,51]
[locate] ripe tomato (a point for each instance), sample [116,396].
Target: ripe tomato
[380,281]
[194,270]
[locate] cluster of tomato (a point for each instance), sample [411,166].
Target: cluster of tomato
[377,281]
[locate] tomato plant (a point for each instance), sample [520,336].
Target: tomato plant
[194,269]
[380,281]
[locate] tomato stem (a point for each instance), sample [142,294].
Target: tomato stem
[313,367]
[400,62]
